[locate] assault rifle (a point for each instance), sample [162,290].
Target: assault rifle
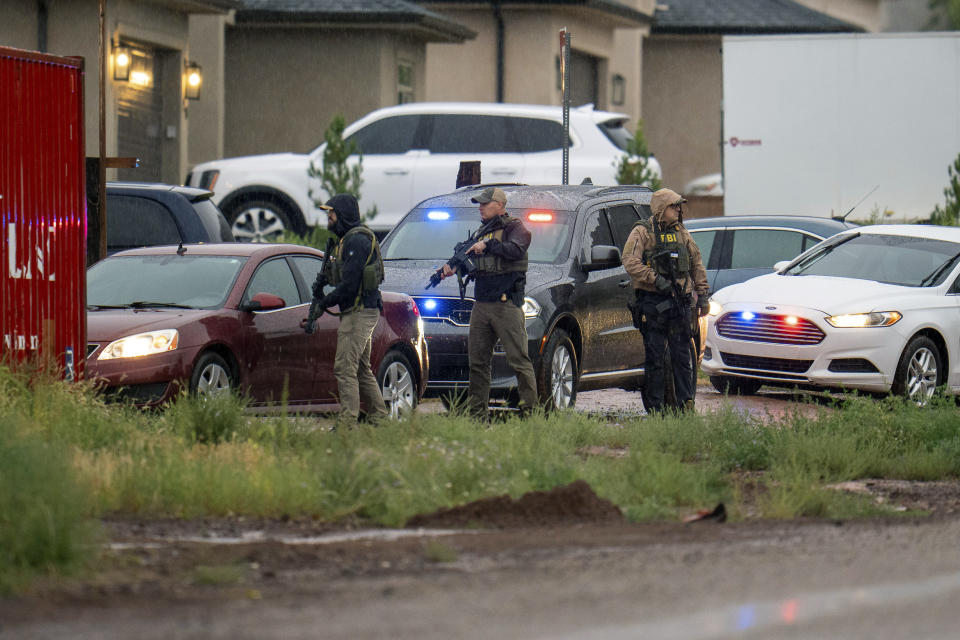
[679,299]
[316,309]
[461,263]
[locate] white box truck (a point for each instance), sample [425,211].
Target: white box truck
[813,124]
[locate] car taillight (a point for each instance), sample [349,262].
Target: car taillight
[414,308]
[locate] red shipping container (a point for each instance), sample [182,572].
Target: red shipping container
[42,210]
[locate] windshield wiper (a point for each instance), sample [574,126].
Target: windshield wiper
[144,304]
[97,307]
[808,262]
[140,304]
[939,270]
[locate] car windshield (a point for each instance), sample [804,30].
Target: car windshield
[162,281]
[430,234]
[900,260]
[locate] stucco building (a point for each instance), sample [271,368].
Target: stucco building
[147,113]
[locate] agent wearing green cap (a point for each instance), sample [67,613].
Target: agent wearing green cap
[501,249]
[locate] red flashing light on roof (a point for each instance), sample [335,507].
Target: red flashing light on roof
[540,216]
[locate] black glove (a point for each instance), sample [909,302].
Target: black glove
[317,289]
[703,305]
[662,284]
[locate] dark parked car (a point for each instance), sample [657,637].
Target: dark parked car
[217,317]
[737,248]
[141,214]
[580,332]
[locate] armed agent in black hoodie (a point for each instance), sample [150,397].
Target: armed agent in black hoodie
[357,271]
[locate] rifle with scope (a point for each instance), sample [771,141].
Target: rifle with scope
[461,263]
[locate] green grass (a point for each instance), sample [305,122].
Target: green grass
[66,458]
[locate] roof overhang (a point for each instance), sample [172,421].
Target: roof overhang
[617,12]
[200,6]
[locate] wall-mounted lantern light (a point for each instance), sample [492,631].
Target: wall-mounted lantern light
[122,59]
[192,81]
[618,89]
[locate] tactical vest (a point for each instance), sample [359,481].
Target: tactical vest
[669,256]
[497,264]
[372,271]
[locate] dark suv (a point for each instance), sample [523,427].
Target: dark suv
[581,336]
[142,214]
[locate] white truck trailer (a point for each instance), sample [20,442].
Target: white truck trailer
[813,124]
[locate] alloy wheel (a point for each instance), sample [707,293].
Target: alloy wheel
[561,378]
[214,380]
[258,224]
[922,376]
[398,391]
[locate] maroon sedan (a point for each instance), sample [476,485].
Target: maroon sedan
[219,317]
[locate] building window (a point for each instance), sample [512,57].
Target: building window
[404,82]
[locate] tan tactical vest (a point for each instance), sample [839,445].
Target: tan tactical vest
[669,257]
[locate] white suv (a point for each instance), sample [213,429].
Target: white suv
[412,152]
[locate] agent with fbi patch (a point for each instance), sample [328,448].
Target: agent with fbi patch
[499,282]
[669,282]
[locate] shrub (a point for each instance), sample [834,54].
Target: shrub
[634,166]
[949,214]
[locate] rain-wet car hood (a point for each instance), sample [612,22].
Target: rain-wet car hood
[831,295]
[112,324]
[413,276]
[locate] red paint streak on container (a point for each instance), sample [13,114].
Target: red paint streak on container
[43,210]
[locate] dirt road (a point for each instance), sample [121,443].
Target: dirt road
[890,579]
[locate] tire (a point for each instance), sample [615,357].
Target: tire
[259,220]
[557,373]
[731,385]
[398,384]
[919,371]
[211,376]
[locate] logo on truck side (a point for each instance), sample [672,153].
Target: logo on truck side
[15,269]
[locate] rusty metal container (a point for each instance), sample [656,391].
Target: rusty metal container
[42,210]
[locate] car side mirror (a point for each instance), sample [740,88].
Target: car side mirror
[263,302]
[780,266]
[602,256]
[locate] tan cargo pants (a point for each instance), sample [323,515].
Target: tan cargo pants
[489,321]
[351,367]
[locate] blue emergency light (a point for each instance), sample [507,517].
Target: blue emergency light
[438,215]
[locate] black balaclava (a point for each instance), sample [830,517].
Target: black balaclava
[348,213]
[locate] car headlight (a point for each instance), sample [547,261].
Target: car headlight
[859,320]
[715,308]
[142,344]
[531,308]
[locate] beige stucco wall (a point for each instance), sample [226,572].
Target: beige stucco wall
[18,24]
[467,72]
[205,116]
[73,30]
[285,84]
[683,88]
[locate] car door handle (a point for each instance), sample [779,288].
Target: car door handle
[504,172]
[396,172]
[623,284]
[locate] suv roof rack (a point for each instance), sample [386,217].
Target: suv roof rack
[484,185]
[602,191]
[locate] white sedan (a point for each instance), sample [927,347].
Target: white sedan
[874,309]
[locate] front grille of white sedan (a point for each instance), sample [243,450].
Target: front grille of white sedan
[765,327]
